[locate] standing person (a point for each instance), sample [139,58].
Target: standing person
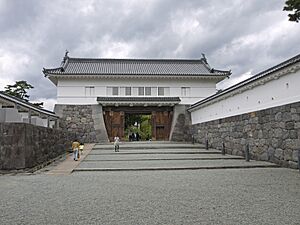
[117,143]
[81,146]
[130,137]
[75,147]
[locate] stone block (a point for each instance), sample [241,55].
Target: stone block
[293,134]
[263,156]
[278,133]
[295,155]
[288,154]
[286,116]
[289,125]
[293,165]
[74,125]
[296,117]
[267,126]
[278,153]
[276,143]
[293,110]
[291,144]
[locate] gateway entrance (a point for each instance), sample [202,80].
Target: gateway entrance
[117,121]
[138,127]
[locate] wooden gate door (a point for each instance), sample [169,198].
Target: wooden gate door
[114,122]
[161,125]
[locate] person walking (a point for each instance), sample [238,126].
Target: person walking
[75,147]
[117,143]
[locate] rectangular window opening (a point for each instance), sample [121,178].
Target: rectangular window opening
[141,91]
[148,91]
[185,91]
[127,91]
[161,91]
[89,91]
[115,91]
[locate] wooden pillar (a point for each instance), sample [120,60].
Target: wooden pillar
[48,121]
[170,123]
[166,125]
[111,114]
[122,125]
[153,125]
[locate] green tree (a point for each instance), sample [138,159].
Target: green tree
[19,90]
[143,125]
[293,5]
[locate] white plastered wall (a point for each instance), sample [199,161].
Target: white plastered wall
[276,92]
[72,91]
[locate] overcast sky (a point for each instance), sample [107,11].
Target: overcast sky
[244,36]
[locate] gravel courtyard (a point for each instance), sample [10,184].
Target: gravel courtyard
[230,196]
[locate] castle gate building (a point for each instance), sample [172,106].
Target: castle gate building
[95,96]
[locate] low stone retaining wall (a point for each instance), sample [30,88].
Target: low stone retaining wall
[272,134]
[26,146]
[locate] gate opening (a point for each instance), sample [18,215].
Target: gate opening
[138,127]
[151,123]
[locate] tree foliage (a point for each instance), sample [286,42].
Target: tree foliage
[19,90]
[294,6]
[138,124]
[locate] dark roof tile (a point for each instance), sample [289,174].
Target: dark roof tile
[83,66]
[139,99]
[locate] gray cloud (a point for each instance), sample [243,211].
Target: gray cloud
[235,34]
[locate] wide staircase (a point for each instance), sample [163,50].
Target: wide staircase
[138,156]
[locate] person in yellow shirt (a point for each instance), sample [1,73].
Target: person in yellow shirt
[75,147]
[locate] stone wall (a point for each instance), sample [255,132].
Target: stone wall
[181,124]
[272,134]
[85,120]
[26,146]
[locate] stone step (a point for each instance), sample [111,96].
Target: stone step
[169,165]
[147,159]
[149,145]
[173,168]
[116,157]
[154,150]
[143,156]
[153,153]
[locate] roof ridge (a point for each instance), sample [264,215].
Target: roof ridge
[136,59]
[135,66]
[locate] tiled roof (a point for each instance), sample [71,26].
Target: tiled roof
[138,99]
[173,67]
[291,61]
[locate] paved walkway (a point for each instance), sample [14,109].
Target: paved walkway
[68,165]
